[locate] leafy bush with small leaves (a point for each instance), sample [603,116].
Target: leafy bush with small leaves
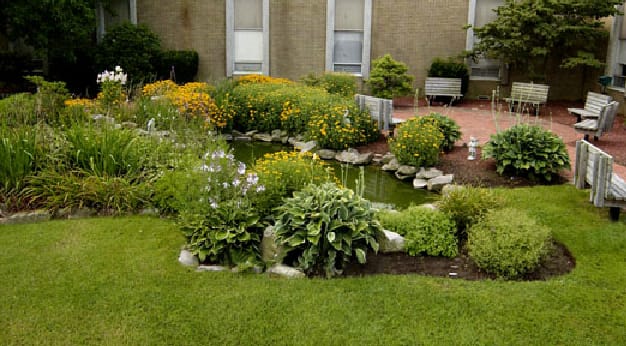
[449,128]
[426,231]
[417,143]
[343,84]
[467,205]
[450,69]
[323,227]
[389,78]
[135,47]
[508,243]
[527,150]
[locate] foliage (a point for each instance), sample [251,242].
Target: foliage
[159,88]
[323,227]
[184,63]
[527,150]
[49,98]
[221,225]
[417,143]
[450,130]
[389,78]
[261,79]
[450,68]
[21,152]
[467,205]
[426,231]
[508,243]
[343,84]
[527,33]
[111,83]
[18,110]
[341,127]
[194,101]
[135,47]
[282,173]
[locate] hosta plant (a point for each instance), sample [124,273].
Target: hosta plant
[527,150]
[323,227]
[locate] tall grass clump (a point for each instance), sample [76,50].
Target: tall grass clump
[21,154]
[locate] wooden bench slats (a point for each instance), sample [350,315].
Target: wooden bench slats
[597,127]
[593,106]
[443,86]
[594,168]
[380,110]
[534,94]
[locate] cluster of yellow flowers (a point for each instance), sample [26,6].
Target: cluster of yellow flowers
[417,142]
[293,169]
[163,87]
[334,130]
[85,103]
[257,78]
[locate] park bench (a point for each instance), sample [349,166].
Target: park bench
[597,127]
[593,106]
[594,168]
[380,110]
[443,86]
[527,94]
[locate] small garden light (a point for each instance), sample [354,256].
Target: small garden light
[473,143]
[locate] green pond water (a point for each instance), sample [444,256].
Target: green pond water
[380,186]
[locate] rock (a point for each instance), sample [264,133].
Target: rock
[280,270]
[99,118]
[227,137]
[428,173]
[270,251]
[262,137]
[437,183]
[403,177]
[251,133]
[305,146]
[26,217]
[242,138]
[326,154]
[388,157]
[428,206]
[392,166]
[450,187]
[284,139]
[420,183]
[377,159]
[353,157]
[277,135]
[211,269]
[390,242]
[187,259]
[406,170]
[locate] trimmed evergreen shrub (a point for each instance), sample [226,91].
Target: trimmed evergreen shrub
[468,205]
[389,78]
[185,63]
[451,69]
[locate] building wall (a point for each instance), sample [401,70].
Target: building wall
[416,32]
[297,37]
[190,25]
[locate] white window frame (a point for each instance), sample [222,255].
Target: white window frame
[100,26]
[230,40]
[469,45]
[367,34]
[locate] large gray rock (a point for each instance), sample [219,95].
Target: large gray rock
[26,217]
[211,269]
[262,137]
[404,176]
[353,157]
[326,154]
[406,170]
[391,166]
[305,146]
[242,139]
[284,271]
[277,135]
[387,158]
[270,251]
[437,183]
[390,242]
[420,183]
[187,259]
[428,173]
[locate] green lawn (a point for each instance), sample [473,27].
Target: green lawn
[117,281]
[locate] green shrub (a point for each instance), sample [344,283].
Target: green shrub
[220,222]
[389,78]
[282,173]
[417,143]
[468,205]
[18,110]
[333,129]
[185,63]
[50,98]
[134,47]
[21,152]
[451,69]
[343,84]
[527,150]
[322,227]
[508,243]
[426,231]
[449,128]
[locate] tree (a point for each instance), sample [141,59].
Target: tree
[389,78]
[528,33]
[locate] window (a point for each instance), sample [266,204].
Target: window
[482,12]
[247,38]
[348,36]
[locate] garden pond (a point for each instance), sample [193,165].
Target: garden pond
[380,187]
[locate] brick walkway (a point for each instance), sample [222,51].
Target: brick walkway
[478,120]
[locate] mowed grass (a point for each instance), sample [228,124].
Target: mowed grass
[117,281]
